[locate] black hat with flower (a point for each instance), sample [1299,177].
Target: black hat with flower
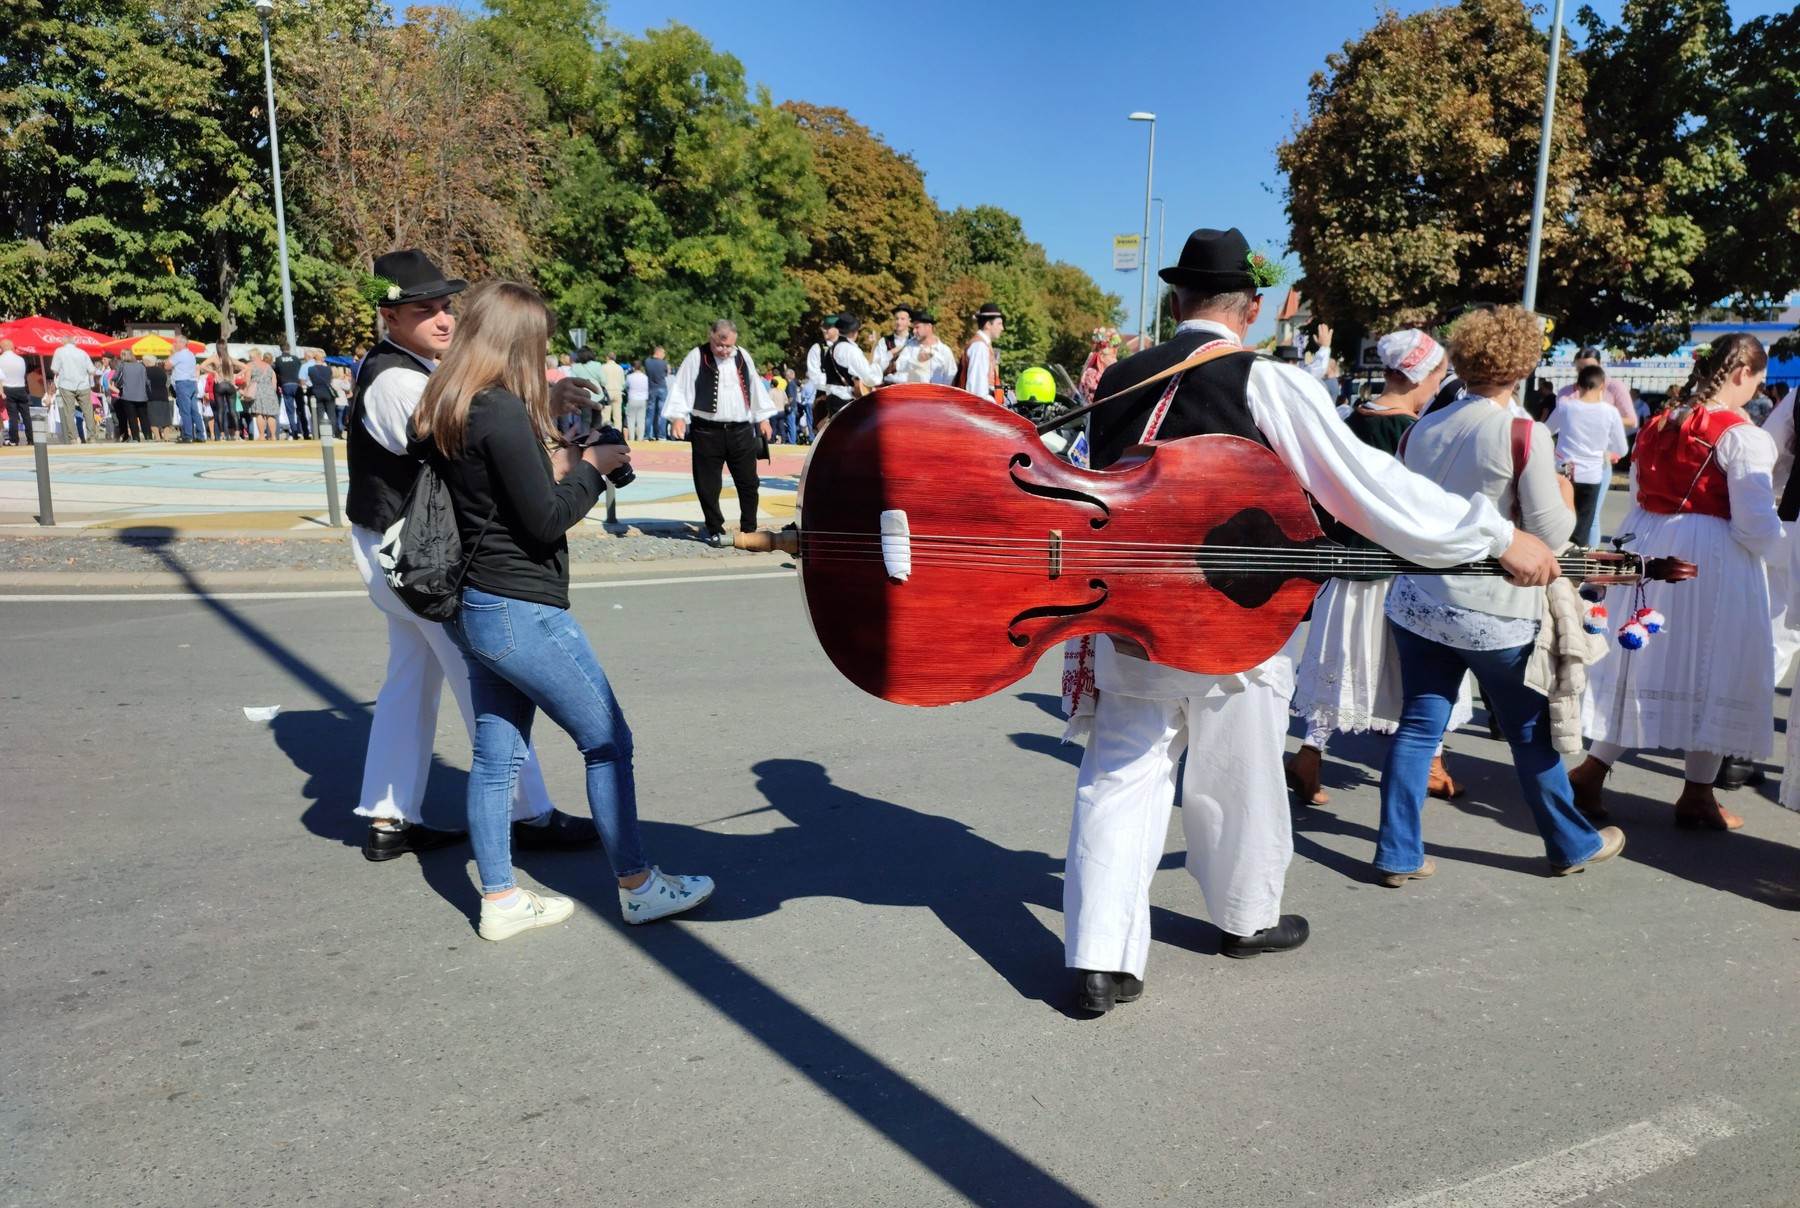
[1221,261]
[410,276]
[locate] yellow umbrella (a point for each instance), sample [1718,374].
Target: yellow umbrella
[148,346]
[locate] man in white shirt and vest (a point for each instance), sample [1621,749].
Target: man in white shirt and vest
[926,358]
[718,397]
[815,356]
[980,372]
[419,323]
[843,372]
[1232,728]
[887,348]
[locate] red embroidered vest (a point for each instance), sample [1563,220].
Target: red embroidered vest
[1676,469]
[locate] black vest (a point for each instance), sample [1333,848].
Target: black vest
[835,373]
[1211,400]
[706,382]
[379,480]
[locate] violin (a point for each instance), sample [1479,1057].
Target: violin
[944,549]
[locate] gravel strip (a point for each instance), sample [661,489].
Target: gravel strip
[205,555]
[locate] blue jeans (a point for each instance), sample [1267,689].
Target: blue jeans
[187,406]
[1429,674]
[653,413]
[524,657]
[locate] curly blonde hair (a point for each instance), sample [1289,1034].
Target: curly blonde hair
[1499,344]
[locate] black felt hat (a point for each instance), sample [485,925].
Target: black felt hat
[412,277]
[848,324]
[903,308]
[922,316]
[988,311]
[1213,260]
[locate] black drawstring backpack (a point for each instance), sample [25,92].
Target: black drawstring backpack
[421,554]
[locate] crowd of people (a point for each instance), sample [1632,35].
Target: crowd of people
[183,398]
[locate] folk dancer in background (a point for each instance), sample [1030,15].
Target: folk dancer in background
[889,347]
[1701,479]
[926,358]
[1231,727]
[1348,676]
[717,392]
[844,371]
[815,364]
[980,372]
[421,656]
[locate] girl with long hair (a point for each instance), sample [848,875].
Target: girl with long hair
[1702,482]
[484,423]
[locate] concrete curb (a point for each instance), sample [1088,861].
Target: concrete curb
[202,582]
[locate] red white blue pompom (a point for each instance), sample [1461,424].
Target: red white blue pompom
[1633,635]
[1595,619]
[1652,620]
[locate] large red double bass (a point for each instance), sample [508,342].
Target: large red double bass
[944,548]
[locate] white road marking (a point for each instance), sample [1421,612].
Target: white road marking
[356,594]
[1594,1166]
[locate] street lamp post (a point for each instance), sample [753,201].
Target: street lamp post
[1162,228]
[265,9]
[1543,162]
[1144,246]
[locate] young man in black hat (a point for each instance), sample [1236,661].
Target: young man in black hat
[843,370]
[980,372]
[926,358]
[887,348]
[1232,728]
[718,393]
[417,315]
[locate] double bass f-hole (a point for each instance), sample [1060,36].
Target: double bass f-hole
[1045,491]
[1022,640]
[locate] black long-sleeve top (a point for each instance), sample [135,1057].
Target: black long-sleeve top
[504,472]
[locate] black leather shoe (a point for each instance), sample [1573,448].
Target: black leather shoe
[385,844]
[1099,992]
[1284,936]
[1736,773]
[564,832]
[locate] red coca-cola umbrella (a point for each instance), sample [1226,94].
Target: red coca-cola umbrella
[36,335]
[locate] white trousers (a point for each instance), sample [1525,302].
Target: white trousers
[421,659]
[1234,813]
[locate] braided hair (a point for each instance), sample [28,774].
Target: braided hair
[1714,364]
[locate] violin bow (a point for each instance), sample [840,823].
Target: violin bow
[1201,357]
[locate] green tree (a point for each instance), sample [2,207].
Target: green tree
[1756,257]
[1409,182]
[878,243]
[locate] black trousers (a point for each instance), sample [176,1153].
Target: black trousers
[718,446]
[1587,499]
[18,413]
[135,418]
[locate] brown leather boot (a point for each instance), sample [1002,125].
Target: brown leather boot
[1589,782]
[1698,809]
[1440,785]
[1303,775]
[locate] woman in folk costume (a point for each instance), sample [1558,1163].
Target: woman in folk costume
[1445,627]
[1339,679]
[1702,483]
[1103,356]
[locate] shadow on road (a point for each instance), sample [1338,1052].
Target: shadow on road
[846,845]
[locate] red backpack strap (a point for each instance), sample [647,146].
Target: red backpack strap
[1521,455]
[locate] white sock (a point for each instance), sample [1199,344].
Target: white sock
[508,902]
[643,889]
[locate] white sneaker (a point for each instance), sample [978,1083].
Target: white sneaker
[667,894]
[528,910]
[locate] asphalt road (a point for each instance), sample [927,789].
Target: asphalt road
[211,998]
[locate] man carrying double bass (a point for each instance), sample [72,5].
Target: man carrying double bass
[1231,727]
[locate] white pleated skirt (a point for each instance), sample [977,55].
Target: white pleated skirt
[1707,682]
[1348,677]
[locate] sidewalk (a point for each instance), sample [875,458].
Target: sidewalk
[277,488]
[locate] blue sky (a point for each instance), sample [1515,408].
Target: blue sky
[1024,105]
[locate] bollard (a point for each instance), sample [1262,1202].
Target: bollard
[40,455]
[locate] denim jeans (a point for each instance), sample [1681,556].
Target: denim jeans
[653,421]
[1429,674]
[524,657]
[187,406]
